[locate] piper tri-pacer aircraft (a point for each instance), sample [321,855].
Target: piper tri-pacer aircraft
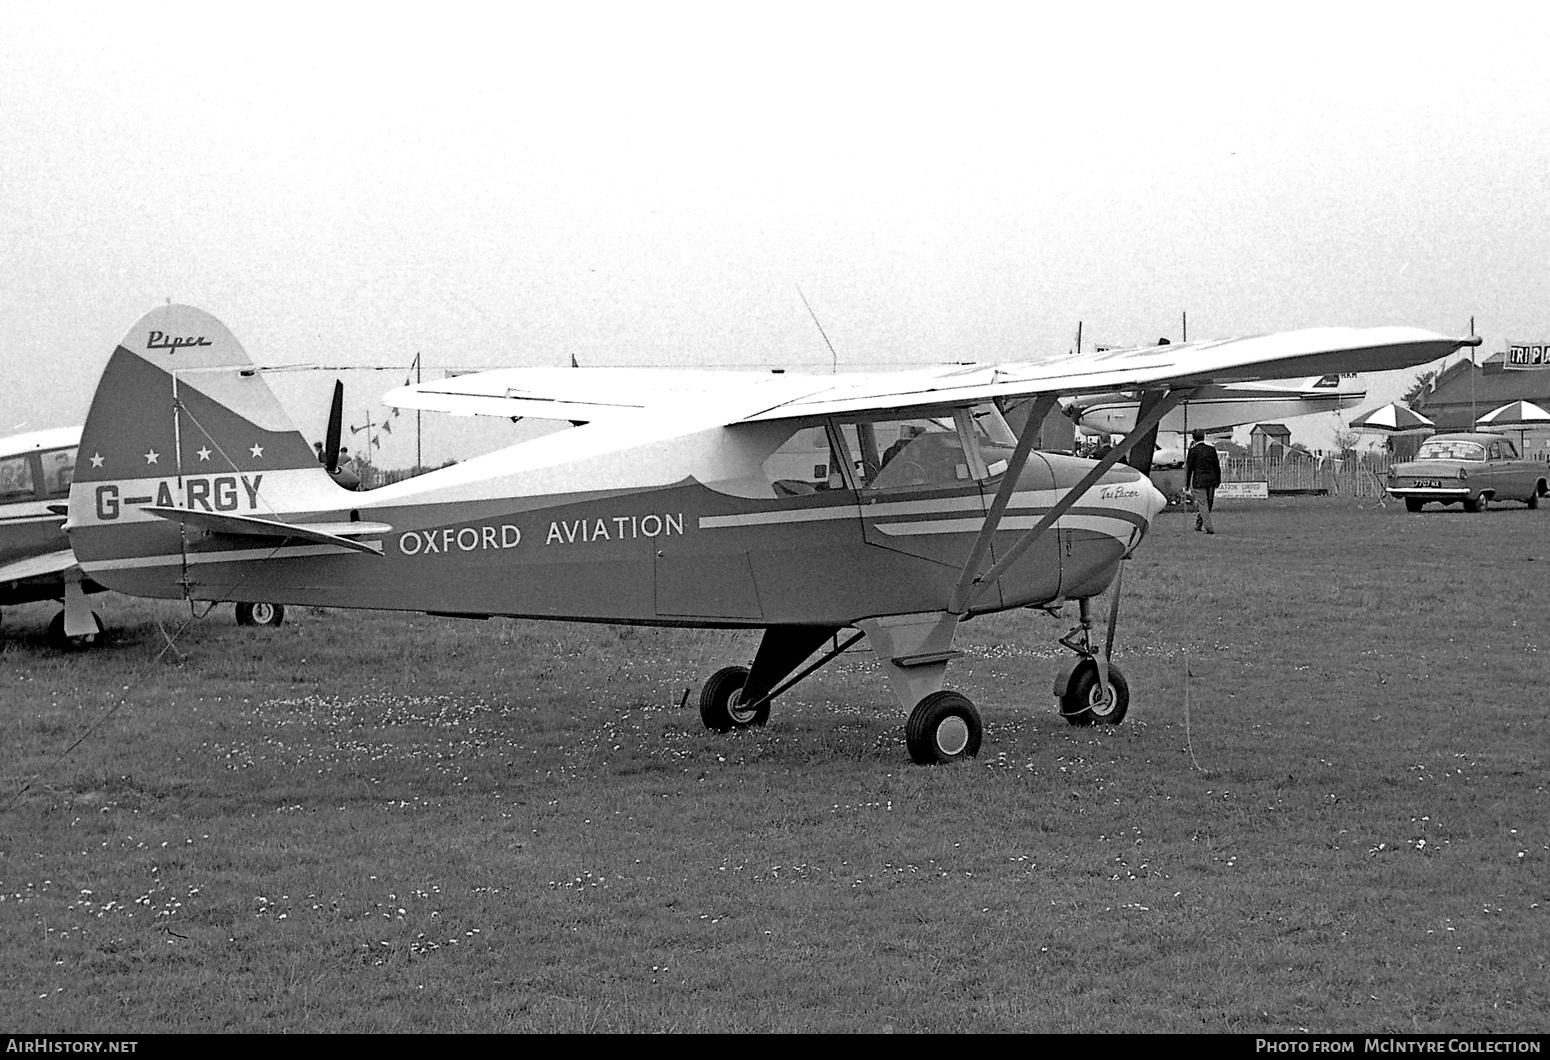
[1218,408]
[673,502]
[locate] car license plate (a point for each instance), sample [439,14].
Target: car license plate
[1429,483]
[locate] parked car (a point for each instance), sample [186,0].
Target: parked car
[1472,469]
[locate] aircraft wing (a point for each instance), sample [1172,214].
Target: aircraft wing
[585,394]
[50,563]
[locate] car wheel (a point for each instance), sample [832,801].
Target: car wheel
[1413,504]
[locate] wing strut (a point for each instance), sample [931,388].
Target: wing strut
[977,584]
[1142,460]
[1038,409]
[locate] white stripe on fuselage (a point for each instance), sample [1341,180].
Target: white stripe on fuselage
[236,555]
[1038,500]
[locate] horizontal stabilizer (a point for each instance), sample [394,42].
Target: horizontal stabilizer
[338,533]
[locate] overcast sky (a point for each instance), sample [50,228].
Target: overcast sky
[650,184]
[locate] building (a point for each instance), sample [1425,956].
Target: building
[1266,437]
[1463,392]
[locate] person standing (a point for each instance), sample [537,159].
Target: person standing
[1202,474]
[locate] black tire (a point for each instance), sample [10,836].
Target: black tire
[720,701]
[1533,497]
[260,614]
[1413,504]
[1479,504]
[56,634]
[943,727]
[1083,702]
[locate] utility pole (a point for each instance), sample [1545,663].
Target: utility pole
[1472,375]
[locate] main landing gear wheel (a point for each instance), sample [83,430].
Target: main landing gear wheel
[943,727]
[1084,703]
[721,706]
[57,638]
[260,614]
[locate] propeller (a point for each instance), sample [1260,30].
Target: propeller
[329,451]
[335,426]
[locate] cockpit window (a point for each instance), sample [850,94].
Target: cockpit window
[804,464]
[927,452]
[58,470]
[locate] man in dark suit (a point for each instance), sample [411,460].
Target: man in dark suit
[1202,474]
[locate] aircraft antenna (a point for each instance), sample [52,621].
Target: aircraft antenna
[835,363]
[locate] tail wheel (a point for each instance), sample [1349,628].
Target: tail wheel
[260,614]
[60,640]
[943,727]
[1084,702]
[721,701]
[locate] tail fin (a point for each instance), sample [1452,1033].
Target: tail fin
[183,420]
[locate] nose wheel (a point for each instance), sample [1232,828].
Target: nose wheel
[261,614]
[1093,691]
[1085,701]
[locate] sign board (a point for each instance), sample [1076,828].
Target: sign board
[1523,356]
[1247,491]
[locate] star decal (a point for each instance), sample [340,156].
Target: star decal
[96,460]
[257,450]
[204,453]
[150,457]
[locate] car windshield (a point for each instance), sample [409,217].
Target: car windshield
[1451,449]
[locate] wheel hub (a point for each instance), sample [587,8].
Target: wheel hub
[952,736]
[736,710]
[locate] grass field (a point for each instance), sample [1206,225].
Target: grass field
[1327,811]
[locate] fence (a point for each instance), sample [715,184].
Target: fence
[1361,474]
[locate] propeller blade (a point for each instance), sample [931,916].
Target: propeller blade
[335,425]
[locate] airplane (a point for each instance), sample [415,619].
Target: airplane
[1220,408]
[671,503]
[35,558]
[36,562]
